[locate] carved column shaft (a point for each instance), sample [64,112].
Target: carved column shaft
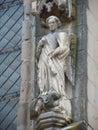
[27,83]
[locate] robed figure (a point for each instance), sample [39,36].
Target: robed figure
[52,52]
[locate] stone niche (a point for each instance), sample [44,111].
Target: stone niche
[55,72]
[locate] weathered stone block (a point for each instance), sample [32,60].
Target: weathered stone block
[27,30]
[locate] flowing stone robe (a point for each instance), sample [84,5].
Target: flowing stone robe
[51,68]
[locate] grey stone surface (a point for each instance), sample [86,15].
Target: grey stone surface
[79,104]
[92,56]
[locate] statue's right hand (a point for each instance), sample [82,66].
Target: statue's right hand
[42,42]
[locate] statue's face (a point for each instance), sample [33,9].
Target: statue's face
[53,25]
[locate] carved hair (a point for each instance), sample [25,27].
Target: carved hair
[55,18]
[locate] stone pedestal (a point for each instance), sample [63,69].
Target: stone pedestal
[56,121]
[50,121]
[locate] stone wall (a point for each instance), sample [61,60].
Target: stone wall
[92,64]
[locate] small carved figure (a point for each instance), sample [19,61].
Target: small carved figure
[52,51]
[67,5]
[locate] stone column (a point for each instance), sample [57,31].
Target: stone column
[27,67]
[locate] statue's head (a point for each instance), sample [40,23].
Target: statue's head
[53,23]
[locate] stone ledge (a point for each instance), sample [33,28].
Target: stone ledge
[56,121]
[50,119]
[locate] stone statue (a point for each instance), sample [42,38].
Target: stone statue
[52,51]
